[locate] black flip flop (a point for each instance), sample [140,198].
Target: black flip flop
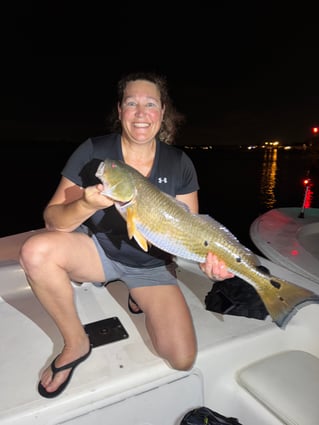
[55,370]
[132,301]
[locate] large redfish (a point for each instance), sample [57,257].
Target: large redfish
[156,218]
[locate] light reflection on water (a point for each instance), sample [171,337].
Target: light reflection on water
[268,178]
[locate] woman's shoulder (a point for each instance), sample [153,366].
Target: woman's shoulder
[105,144]
[174,153]
[171,150]
[105,138]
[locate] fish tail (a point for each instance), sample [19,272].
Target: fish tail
[284,298]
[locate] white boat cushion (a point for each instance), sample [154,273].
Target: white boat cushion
[288,384]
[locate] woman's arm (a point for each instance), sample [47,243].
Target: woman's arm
[71,205]
[191,200]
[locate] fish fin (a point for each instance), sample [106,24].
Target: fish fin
[142,242]
[219,226]
[132,229]
[283,303]
[130,223]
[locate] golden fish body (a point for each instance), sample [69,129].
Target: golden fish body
[156,218]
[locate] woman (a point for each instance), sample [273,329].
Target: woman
[86,239]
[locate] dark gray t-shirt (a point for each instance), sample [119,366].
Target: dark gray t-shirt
[173,172]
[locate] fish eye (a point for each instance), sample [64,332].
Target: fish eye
[205,243]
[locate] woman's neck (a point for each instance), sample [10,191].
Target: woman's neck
[139,156]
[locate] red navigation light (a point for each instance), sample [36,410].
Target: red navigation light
[308,192]
[315,130]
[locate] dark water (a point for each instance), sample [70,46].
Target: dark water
[239,185]
[236,185]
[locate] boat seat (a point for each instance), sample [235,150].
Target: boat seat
[287,384]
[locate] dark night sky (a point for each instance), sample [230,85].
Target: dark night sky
[241,72]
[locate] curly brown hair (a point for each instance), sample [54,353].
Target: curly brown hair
[172,119]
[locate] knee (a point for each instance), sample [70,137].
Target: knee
[33,253]
[179,354]
[183,362]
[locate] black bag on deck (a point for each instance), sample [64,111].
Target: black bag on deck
[206,416]
[237,297]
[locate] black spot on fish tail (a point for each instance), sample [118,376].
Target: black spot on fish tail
[205,243]
[275,284]
[264,270]
[281,303]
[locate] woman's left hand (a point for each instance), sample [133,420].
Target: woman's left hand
[214,268]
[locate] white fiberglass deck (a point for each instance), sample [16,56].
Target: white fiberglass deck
[288,240]
[125,382]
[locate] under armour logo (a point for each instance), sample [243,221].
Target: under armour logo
[162,180]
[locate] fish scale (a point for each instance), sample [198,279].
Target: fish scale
[153,217]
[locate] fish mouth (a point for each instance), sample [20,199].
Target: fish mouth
[124,203]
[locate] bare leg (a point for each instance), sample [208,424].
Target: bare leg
[169,323]
[50,260]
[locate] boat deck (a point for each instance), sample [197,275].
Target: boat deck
[289,240]
[125,382]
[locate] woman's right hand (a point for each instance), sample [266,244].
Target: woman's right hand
[95,199]
[71,205]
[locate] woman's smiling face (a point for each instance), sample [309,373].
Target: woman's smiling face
[141,111]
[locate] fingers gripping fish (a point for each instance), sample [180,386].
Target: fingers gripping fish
[156,218]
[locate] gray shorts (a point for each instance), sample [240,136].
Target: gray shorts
[135,277]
